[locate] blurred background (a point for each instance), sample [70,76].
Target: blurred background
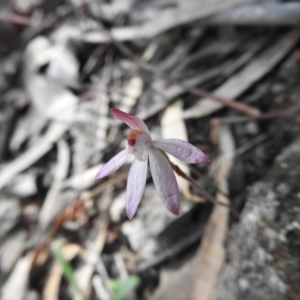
[223,75]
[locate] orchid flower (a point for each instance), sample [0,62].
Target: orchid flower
[142,147]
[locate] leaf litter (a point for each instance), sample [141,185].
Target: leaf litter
[64,66]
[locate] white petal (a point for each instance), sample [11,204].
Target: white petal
[135,186]
[182,150]
[164,180]
[114,164]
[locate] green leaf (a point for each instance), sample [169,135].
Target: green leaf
[68,270]
[123,288]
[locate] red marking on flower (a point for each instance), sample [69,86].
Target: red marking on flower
[131,142]
[133,135]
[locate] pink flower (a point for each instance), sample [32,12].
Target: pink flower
[142,147]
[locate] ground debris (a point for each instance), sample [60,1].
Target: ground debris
[191,72]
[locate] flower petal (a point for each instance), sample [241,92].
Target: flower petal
[164,180]
[114,164]
[182,150]
[132,121]
[135,186]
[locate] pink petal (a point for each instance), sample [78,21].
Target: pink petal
[114,164]
[164,180]
[182,150]
[132,121]
[135,186]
